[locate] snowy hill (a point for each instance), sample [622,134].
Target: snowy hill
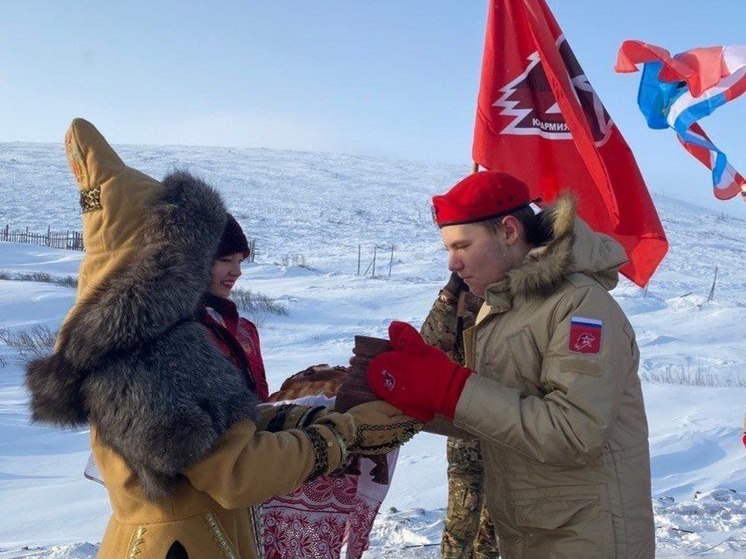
[319,210]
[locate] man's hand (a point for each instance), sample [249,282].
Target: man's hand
[417,378]
[455,285]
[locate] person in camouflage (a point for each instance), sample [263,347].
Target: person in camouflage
[468,531]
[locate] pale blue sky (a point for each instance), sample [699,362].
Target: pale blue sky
[390,78]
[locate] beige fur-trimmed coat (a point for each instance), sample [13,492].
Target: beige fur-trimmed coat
[175,429]
[557,404]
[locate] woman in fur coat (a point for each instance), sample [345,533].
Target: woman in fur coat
[175,429]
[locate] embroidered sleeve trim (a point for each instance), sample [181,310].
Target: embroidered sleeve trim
[343,446]
[341,441]
[378,439]
[321,452]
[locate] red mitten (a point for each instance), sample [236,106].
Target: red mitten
[416,378]
[405,337]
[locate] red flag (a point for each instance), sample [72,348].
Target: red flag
[538,118]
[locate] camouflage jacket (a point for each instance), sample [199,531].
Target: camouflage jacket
[447,320]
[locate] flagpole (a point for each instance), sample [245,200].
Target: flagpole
[475,168]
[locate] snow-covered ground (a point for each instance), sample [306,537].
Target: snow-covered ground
[319,210]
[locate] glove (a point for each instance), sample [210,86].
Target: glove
[372,428]
[417,378]
[452,290]
[274,418]
[455,285]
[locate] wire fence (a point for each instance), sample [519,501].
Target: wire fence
[382,254]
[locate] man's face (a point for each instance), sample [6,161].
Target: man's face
[480,256]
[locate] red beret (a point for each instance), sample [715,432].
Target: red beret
[480,196]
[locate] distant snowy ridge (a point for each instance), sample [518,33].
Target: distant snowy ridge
[316,209]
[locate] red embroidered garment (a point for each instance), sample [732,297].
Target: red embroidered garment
[310,522]
[237,338]
[316,520]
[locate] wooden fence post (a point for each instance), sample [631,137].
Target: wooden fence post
[711,296]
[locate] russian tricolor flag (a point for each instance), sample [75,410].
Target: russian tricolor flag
[585,335]
[678,91]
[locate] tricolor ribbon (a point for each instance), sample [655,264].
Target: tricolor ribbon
[676,92]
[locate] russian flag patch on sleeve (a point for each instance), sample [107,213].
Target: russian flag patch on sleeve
[585,335]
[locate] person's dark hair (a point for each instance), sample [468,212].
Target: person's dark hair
[538,229]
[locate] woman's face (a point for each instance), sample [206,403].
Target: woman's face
[225,271]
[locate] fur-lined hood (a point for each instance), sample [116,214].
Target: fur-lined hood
[131,358]
[574,248]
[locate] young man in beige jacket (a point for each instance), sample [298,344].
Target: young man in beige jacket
[550,386]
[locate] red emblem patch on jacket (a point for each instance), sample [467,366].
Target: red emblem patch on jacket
[585,335]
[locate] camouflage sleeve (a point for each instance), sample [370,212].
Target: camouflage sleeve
[443,328]
[440,328]
[447,320]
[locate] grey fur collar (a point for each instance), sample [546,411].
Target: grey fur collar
[132,360]
[545,267]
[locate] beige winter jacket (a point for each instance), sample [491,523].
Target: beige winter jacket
[560,413]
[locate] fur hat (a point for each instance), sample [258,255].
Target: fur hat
[233,240]
[130,358]
[114,199]
[480,196]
